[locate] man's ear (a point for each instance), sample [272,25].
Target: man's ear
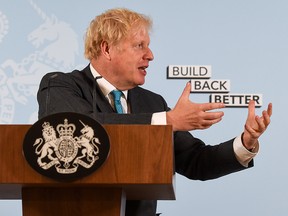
[105,49]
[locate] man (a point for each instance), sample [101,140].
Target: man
[117,45]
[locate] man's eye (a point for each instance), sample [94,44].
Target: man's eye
[139,46]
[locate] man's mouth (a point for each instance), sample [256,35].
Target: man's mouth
[143,68]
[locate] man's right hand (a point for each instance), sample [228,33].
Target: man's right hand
[187,115]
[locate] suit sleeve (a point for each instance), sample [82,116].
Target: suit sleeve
[195,160]
[60,93]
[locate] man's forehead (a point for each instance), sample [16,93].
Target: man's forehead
[137,32]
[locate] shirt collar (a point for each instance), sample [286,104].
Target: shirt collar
[104,85]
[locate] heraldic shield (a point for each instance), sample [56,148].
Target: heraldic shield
[66,146]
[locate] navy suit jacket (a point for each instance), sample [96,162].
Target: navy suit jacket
[78,92]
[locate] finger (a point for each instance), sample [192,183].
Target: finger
[266,118]
[211,106]
[213,121]
[212,115]
[208,123]
[261,125]
[269,110]
[266,115]
[251,109]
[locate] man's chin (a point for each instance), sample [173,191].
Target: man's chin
[141,83]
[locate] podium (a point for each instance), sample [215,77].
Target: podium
[140,166]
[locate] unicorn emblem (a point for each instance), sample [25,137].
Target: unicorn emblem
[88,143]
[56,47]
[61,45]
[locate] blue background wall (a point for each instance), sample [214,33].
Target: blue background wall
[244,41]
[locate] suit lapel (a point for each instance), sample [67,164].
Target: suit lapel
[102,103]
[136,104]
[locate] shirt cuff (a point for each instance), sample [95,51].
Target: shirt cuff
[159,118]
[243,155]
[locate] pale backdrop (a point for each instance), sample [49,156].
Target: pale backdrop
[243,41]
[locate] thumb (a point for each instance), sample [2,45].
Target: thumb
[186,92]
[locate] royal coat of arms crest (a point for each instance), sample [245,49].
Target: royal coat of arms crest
[68,148]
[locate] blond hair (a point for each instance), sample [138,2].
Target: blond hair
[112,26]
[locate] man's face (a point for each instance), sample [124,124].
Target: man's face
[129,60]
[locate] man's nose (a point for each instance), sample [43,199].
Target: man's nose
[149,55]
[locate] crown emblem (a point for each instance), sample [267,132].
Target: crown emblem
[46,125]
[66,130]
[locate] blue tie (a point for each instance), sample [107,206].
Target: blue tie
[117,103]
